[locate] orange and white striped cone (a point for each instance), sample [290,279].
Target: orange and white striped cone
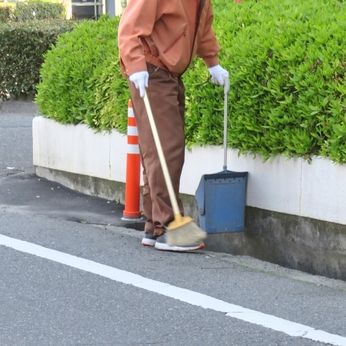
[133,166]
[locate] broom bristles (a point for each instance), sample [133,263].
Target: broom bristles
[184,232]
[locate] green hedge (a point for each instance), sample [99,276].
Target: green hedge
[32,10]
[81,81]
[22,45]
[6,14]
[287,61]
[39,10]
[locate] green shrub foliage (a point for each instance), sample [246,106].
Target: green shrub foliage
[287,62]
[22,45]
[6,14]
[39,10]
[81,80]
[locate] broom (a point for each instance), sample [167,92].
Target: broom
[182,230]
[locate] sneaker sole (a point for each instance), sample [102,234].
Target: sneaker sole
[173,248]
[148,242]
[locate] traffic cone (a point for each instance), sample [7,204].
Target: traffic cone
[133,166]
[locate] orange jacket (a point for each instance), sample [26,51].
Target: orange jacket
[162,32]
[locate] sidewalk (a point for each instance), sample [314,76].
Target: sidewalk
[22,190]
[16,137]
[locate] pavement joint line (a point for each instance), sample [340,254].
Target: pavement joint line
[184,295]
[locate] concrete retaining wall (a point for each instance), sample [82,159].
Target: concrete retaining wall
[311,195]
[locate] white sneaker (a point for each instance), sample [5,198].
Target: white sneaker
[161,244]
[149,239]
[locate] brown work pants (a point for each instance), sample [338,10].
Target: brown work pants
[167,99]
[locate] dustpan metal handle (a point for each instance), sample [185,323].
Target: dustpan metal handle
[162,159]
[225,118]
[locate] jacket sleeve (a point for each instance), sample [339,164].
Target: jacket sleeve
[208,47]
[137,20]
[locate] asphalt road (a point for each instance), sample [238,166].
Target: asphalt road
[48,301]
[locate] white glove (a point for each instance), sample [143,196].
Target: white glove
[219,76]
[140,80]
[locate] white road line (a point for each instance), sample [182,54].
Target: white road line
[182,294]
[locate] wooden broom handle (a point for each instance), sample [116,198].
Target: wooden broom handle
[162,158]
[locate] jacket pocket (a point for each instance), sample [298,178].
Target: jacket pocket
[149,46]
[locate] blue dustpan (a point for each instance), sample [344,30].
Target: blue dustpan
[221,197]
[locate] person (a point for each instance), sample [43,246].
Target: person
[157,41]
